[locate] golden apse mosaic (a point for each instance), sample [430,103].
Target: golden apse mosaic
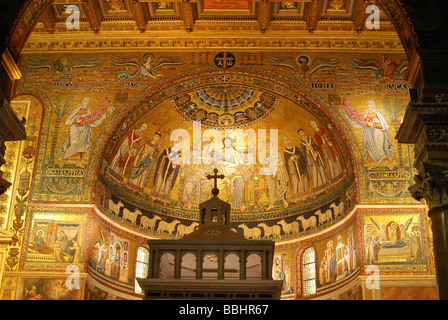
[105,138]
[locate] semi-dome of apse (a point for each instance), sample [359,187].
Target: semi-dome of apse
[283,151]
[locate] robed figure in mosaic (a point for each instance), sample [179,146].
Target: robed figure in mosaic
[373,124]
[81,122]
[276,179]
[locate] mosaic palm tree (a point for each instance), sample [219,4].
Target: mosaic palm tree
[394,110]
[61,108]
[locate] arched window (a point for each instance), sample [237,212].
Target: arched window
[141,267]
[309,272]
[214,214]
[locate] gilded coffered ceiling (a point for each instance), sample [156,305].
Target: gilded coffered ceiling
[317,25]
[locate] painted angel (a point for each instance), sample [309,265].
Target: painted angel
[404,227]
[384,70]
[302,67]
[381,227]
[63,66]
[147,67]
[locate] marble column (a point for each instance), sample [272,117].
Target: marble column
[432,184]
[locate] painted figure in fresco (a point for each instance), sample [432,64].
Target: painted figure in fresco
[327,270]
[63,239]
[288,280]
[116,263]
[327,146]
[144,162]
[377,145]
[392,231]
[79,139]
[351,252]
[128,150]
[40,245]
[372,248]
[279,273]
[69,249]
[276,181]
[147,67]
[166,174]
[57,290]
[296,167]
[31,294]
[416,245]
[314,159]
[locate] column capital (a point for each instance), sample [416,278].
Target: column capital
[431,183]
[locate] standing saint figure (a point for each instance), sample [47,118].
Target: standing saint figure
[167,171]
[81,121]
[377,145]
[276,180]
[327,145]
[146,158]
[314,159]
[116,263]
[296,167]
[128,150]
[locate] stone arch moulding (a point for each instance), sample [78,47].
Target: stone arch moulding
[24,24]
[403,23]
